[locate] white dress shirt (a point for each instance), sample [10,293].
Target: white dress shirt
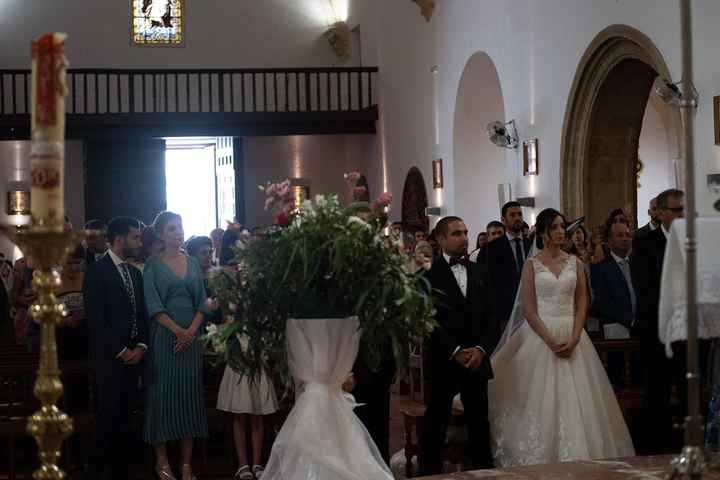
[665,231]
[118,262]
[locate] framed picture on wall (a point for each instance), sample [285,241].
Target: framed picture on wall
[716,108]
[530,157]
[157,23]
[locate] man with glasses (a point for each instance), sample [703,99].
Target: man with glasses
[660,372]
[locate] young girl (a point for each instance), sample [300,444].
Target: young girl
[243,398]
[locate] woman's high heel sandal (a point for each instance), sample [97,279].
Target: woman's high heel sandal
[164,473]
[187,469]
[244,473]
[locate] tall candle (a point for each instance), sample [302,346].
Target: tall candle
[47,153]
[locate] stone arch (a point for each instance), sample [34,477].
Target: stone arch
[603,120]
[414,202]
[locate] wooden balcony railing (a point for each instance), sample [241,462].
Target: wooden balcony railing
[93,91]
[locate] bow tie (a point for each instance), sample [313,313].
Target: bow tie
[463,260]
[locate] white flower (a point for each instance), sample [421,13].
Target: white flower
[212,330]
[358,220]
[320,200]
[232,307]
[307,206]
[244,341]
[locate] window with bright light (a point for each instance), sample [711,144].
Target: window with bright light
[190,186]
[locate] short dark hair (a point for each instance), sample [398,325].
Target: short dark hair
[494,224]
[120,227]
[662,199]
[95,224]
[194,244]
[162,219]
[227,254]
[443,225]
[507,206]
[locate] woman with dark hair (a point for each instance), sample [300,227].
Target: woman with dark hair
[201,249]
[579,246]
[548,372]
[176,303]
[72,333]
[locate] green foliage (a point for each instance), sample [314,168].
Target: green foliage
[329,262]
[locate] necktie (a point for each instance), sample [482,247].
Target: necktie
[625,269]
[519,258]
[131,294]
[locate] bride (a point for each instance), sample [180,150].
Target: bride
[551,399]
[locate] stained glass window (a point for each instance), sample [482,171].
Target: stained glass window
[157,22]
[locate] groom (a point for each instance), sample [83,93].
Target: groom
[458,351]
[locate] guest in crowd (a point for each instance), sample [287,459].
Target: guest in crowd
[216,237]
[505,259]
[242,398]
[480,245]
[117,319]
[72,332]
[150,246]
[95,241]
[201,249]
[615,300]
[5,323]
[457,356]
[648,253]
[579,246]
[419,235]
[495,230]
[654,222]
[422,259]
[21,297]
[6,274]
[525,230]
[174,408]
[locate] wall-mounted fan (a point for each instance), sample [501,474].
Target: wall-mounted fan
[671,93]
[503,134]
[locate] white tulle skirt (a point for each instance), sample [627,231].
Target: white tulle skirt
[322,438]
[545,409]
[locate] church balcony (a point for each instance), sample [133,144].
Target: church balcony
[112,103]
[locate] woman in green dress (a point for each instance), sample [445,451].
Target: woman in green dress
[175,296]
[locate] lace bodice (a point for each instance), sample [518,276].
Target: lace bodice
[555,295]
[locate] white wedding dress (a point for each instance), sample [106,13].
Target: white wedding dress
[545,409]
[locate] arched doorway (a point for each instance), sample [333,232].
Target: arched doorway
[414,202]
[604,121]
[479,166]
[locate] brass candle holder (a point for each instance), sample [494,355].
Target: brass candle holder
[49,426]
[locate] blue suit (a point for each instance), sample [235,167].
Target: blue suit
[612,301]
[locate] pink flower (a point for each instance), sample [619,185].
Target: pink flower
[269,202]
[358,191]
[271,189]
[352,177]
[384,200]
[281,218]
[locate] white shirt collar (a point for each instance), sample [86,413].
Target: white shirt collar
[446,257]
[618,258]
[652,225]
[665,232]
[116,260]
[511,238]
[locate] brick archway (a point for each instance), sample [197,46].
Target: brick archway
[603,121]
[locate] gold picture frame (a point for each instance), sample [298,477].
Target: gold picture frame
[437,171]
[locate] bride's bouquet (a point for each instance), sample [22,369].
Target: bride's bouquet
[319,260]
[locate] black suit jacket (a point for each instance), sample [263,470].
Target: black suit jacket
[463,321]
[109,310]
[503,276]
[643,231]
[647,264]
[612,301]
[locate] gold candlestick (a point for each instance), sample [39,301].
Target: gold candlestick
[49,425]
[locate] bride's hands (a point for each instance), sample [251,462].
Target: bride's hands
[566,349]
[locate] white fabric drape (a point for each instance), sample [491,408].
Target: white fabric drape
[322,438]
[673,290]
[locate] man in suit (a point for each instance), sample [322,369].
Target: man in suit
[458,352]
[505,259]
[118,323]
[95,241]
[615,300]
[654,222]
[647,260]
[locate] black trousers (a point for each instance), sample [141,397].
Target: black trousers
[373,389]
[442,386]
[117,395]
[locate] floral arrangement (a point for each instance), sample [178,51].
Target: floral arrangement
[321,260]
